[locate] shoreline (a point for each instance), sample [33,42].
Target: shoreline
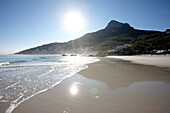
[135,72]
[40,79]
[153,60]
[106,86]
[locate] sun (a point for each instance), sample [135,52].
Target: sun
[74,21]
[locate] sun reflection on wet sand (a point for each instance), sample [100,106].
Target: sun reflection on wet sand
[73,89]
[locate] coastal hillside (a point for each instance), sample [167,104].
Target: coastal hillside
[114,34]
[153,42]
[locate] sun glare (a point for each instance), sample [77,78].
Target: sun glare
[74,90]
[74,21]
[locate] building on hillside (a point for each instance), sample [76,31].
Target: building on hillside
[128,45]
[120,47]
[112,50]
[168,32]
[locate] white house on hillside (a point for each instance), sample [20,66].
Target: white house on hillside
[168,31]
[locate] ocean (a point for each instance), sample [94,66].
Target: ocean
[24,76]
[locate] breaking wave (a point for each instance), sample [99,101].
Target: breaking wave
[26,78]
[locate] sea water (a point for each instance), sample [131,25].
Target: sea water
[24,76]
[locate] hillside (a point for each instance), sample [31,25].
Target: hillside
[114,34]
[147,43]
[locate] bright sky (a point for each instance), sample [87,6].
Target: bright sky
[30,23]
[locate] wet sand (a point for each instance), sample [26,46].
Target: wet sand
[107,86]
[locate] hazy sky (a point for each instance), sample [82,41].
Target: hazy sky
[31,23]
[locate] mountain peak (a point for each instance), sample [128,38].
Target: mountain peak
[113,24]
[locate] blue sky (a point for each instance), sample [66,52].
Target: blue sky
[30,23]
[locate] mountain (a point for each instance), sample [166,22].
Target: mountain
[114,34]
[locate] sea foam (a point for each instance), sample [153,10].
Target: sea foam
[21,81]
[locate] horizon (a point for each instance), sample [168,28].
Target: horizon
[28,24]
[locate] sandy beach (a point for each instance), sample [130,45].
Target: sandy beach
[155,60]
[108,86]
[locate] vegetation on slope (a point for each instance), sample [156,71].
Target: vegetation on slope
[114,41]
[158,41]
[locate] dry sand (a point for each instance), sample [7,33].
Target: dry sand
[155,60]
[108,86]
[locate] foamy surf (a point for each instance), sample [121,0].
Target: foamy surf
[30,78]
[4,63]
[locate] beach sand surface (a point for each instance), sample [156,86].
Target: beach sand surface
[155,60]
[108,86]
